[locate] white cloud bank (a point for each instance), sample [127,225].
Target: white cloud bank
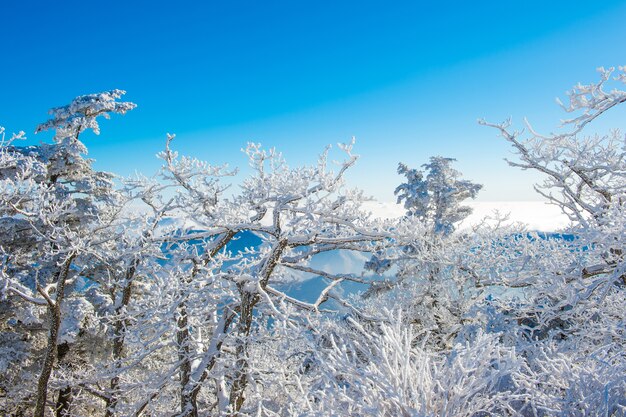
[536,215]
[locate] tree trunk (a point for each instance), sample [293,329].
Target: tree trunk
[189,393]
[248,302]
[64,400]
[188,405]
[119,337]
[237,398]
[54,314]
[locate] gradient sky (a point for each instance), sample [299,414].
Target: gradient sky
[408,79]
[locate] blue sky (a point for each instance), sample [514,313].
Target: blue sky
[408,79]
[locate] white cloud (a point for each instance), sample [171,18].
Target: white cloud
[536,215]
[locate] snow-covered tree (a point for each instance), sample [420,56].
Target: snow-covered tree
[429,285]
[54,209]
[296,213]
[170,295]
[572,309]
[436,197]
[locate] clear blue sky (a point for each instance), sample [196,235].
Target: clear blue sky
[408,79]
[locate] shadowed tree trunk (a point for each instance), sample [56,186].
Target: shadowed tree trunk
[54,314]
[248,302]
[119,331]
[64,400]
